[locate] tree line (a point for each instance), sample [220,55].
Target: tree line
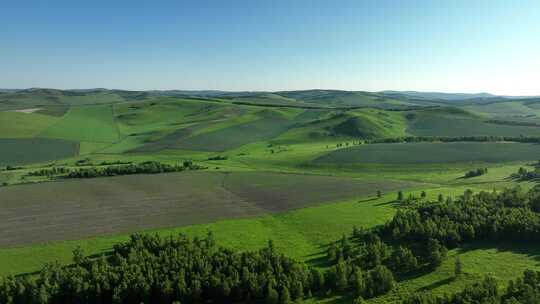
[416,139]
[148,167]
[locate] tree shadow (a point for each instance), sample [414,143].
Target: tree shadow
[437,284]
[389,203]
[529,249]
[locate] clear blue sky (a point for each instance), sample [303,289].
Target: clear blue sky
[450,46]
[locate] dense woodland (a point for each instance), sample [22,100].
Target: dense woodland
[366,263]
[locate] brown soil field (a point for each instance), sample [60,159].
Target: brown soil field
[74,209]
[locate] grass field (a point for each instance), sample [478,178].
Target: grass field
[32,150]
[432,153]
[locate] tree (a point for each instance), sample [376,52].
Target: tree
[380,280]
[400,196]
[272,296]
[379,193]
[457,267]
[440,199]
[78,255]
[436,252]
[423,194]
[404,260]
[285,296]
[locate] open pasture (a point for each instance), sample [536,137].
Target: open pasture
[403,153]
[73,209]
[19,151]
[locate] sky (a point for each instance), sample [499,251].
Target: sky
[260,45]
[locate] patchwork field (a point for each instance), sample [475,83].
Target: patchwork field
[432,153]
[285,166]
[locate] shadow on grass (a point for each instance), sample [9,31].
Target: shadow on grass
[389,203]
[529,249]
[437,284]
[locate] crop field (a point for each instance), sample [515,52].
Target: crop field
[432,153]
[82,208]
[86,123]
[440,125]
[31,150]
[301,233]
[503,109]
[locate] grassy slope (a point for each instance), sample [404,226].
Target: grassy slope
[93,123]
[17,125]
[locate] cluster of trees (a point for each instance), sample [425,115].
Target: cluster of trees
[417,239]
[416,139]
[523,290]
[148,167]
[524,174]
[477,172]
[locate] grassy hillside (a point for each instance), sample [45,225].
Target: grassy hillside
[18,124]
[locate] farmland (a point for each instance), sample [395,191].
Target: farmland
[433,153]
[49,212]
[30,150]
[294,167]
